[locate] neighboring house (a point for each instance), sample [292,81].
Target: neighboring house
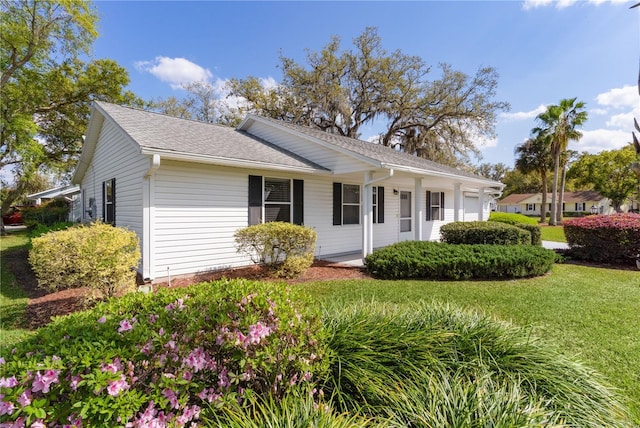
[573,202]
[185,187]
[71,194]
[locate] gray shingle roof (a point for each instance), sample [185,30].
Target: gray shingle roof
[377,152]
[167,133]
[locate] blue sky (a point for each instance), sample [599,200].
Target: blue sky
[543,50]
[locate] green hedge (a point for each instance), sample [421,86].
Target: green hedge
[56,211]
[483,232]
[521,221]
[436,260]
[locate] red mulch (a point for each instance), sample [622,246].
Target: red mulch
[42,305]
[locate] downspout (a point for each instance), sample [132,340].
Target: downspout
[367,229]
[148,218]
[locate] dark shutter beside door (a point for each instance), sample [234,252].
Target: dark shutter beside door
[428,210]
[298,202]
[380,196]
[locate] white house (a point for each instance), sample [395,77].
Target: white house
[71,194]
[185,187]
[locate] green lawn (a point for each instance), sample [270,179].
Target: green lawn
[553,233]
[13,301]
[589,313]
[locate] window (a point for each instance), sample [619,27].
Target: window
[531,207]
[275,199]
[378,204]
[109,201]
[346,204]
[435,206]
[580,206]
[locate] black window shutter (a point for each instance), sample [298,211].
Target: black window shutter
[428,198]
[104,201]
[337,204]
[298,201]
[441,205]
[255,199]
[380,201]
[113,201]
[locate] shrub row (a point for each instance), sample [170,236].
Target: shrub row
[604,238]
[98,256]
[284,247]
[162,359]
[56,211]
[435,260]
[521,221]
[483,232]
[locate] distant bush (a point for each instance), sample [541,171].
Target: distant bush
[521,221]
[285,248]
[435,260]
[98,256]
[483,232]
[164,359]
[55,211]
[40,229]
[604,238]
[511,218]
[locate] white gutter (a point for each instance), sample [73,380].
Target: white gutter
[155,164]
[375,180]
[443,174]
[221,160]
[148,218]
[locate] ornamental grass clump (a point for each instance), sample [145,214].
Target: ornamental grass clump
[164,359]
[611,238]
[432,365]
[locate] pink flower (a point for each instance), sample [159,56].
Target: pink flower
[125,325]
[74,382]
[197,359]
[2,361]
[6,407]
[153,318]
[178,304]
[8,382]
[115,386]
[190,413]
[43,382]
[257,332]
[170,395]
[38,424]
[25,398]
[102,319]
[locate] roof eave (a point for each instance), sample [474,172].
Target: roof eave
[233,162]
[90,142]
[457,177]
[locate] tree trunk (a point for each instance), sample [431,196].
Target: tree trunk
[561,198]
[543,206]
[554,191]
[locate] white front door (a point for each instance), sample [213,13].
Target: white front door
[406,217]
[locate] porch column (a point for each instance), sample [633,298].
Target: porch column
[367,216]
[481,199]
[457,203]
[419,205]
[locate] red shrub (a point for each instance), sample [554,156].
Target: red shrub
[611,238]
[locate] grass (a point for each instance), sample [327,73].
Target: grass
[13,300]
[590,314]
[553,233]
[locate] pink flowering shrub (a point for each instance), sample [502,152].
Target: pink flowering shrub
[165,359]
[604,238]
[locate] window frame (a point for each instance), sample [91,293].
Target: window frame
[257,199]
[439,204]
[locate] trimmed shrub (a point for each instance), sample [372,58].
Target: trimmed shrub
[521,221]
[436,260]
[98,256]
[164,359]
[604,238]
[55,211]
[285,248]
[432,365]
[511,218]
[483,232]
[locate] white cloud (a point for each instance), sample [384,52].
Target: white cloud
[175,71]
[601,139]
[623,121]
[561,4]
[524,115]
[627,96]
[599,111]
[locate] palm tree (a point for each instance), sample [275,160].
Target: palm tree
[534,155]
[559,123]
